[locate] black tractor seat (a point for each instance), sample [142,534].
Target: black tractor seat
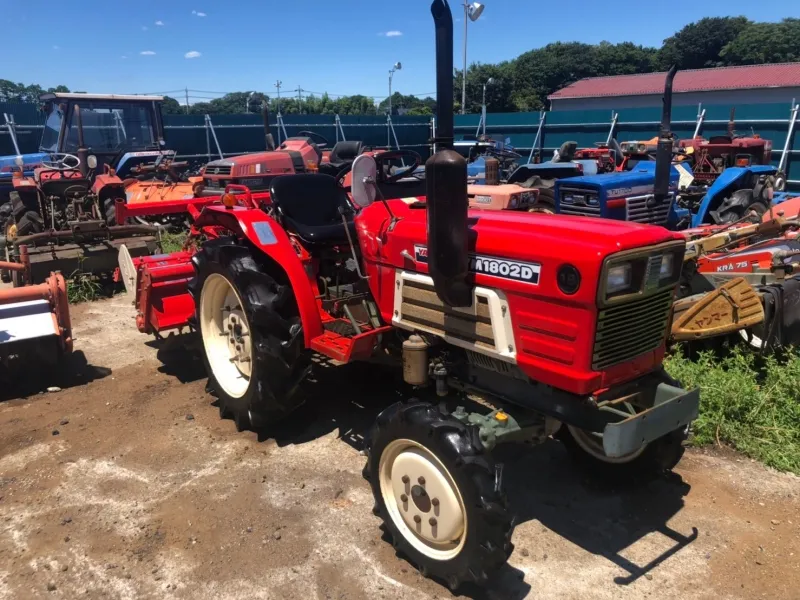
[343,154]
[308,206]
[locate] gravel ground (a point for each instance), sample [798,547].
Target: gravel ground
[126,484]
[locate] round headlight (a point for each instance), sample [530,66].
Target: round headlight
[569,279]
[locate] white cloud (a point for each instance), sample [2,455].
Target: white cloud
[144,27]
[147,53]
[123,57]
[394,33]
[199,14]
[56,47]
[192,54]
[159,23]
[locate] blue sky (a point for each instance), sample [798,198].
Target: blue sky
[342,47]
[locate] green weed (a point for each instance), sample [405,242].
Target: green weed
[82,287]
[173,242]
[747,401]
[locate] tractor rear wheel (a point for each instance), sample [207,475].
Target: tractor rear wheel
[110,211]
[650,460]
[29,223]
[438,493]
[253,346]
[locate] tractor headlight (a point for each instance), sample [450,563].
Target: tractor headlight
[619,278]
[591,199]
[514,201]
[667,266]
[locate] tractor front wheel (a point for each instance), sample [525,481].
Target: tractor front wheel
[644,463]
[253,346]
[438,493]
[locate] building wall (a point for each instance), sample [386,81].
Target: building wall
[724,97]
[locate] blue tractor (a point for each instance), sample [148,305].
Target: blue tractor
[630,196]
[633,195]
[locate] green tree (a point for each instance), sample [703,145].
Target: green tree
[699,44]
[172,107]
[498,93]
[231,104]
[408,105]
[764,43]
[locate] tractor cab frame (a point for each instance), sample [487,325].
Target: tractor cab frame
[121,131]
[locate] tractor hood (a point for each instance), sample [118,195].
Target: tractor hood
[622,184]
[30,161]
[547,241]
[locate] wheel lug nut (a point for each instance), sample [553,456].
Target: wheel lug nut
[435,501]
[403,498]
[421,480]
[405,479]
[417,519]
[432,521]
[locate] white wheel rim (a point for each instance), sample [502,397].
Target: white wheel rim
[226,335]
[422,499]
[592,443]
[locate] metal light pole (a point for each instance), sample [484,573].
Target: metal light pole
[489,81]
[397,66]
[471,13]
[247,102]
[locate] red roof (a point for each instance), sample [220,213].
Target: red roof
[695,80]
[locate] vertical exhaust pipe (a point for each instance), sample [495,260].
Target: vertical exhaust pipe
[267,135]
[446,181]
[665,140]
[732,123]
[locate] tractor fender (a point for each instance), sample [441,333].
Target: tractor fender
[106,182]
[266,235]
[729,180]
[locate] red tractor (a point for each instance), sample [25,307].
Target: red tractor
[304,153]
[64,213]
[711,157]
[559,323]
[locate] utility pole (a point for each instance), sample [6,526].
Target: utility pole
[187,100]
[299,100]
[278,85]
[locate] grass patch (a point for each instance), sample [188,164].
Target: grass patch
[747,401]
[83,287]
[173,242]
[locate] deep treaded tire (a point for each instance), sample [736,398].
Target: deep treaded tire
[657,458]
[29,223]
[273,335]
[401,435]
[110,211]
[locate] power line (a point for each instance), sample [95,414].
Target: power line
[304,92]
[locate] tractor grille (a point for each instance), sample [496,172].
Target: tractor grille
[581,209]
[628,330]
[421,307]
[218,170]
[639,212]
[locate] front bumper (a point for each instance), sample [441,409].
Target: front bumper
[673,408]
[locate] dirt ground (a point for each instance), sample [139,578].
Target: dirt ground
[126,484]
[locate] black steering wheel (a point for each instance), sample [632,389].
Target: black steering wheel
[383,158]
[315,137]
